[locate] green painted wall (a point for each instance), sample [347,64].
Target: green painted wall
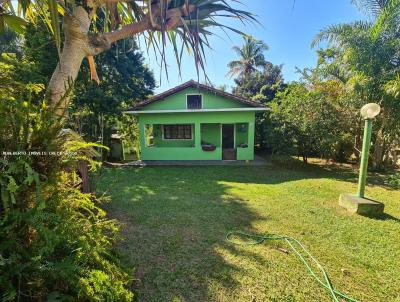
[211,134]
[241,133]
[197,118]
[210,101]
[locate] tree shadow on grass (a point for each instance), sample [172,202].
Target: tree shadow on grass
[286,168]
[174,230]
[175,222]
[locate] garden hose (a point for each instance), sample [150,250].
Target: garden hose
[292,242]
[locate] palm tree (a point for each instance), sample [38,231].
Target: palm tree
[385,17]
[251,57]
[368,54]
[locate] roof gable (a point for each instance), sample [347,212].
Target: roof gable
[175,98]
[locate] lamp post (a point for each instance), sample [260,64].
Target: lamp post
[358,203]
[368,112]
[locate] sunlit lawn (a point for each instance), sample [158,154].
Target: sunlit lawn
[176,219]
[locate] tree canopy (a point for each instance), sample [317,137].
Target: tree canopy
[250,57]
[365,58]
[85,33]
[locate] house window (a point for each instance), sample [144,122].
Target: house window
[178,132]
[194,101]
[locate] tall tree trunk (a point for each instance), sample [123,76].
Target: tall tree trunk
[358,142]
[64,75]
[76,28]
[80,43]
[378,150]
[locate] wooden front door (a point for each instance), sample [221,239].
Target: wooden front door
[228,142]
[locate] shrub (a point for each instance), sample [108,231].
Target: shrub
[56,243]
[394,180]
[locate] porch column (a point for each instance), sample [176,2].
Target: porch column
[197,135]
[250,141]
[142,134]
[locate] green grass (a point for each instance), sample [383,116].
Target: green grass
[175,221]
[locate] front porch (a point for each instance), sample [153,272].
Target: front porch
[256,162]
[197,141]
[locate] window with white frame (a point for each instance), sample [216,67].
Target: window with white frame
[178,132]
[194,101]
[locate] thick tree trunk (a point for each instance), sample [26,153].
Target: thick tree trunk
[64,75]
[78,44]
[76,28]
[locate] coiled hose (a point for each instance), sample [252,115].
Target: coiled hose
[292,242]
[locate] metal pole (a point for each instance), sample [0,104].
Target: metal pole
[364,158]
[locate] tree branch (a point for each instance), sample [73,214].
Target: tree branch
[128,30]
[174,19]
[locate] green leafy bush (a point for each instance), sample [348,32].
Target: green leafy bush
[394,180]
[56,243]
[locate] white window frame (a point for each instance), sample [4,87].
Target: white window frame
[202,97]
[178,139]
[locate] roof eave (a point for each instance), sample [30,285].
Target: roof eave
[248,109]
[191,84]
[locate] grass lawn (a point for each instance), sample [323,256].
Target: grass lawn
[176,218]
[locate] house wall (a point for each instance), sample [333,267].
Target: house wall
[196,118]
[211,134]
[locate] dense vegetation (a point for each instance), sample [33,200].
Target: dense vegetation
[55,242]
[318,116]
[95,112]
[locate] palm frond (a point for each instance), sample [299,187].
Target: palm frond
[389,17]
[335,34]
[371,7]
[251,56]
[179,24]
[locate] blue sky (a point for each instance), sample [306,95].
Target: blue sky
[287,27]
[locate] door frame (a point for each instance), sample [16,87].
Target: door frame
[234,135]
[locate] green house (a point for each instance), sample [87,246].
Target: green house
[196,122]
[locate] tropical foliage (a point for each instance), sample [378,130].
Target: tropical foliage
[361,64]
[256,79]
[307,123]
[55,242]
[96,110]
[251,57]
[364,58]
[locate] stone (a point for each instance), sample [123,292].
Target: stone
[361,206]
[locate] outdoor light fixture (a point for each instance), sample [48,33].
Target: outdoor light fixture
[368,112]
[371,110]
[358,203]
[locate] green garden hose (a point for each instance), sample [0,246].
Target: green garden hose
[292,242]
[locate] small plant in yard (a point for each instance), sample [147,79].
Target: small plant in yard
[394,180]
